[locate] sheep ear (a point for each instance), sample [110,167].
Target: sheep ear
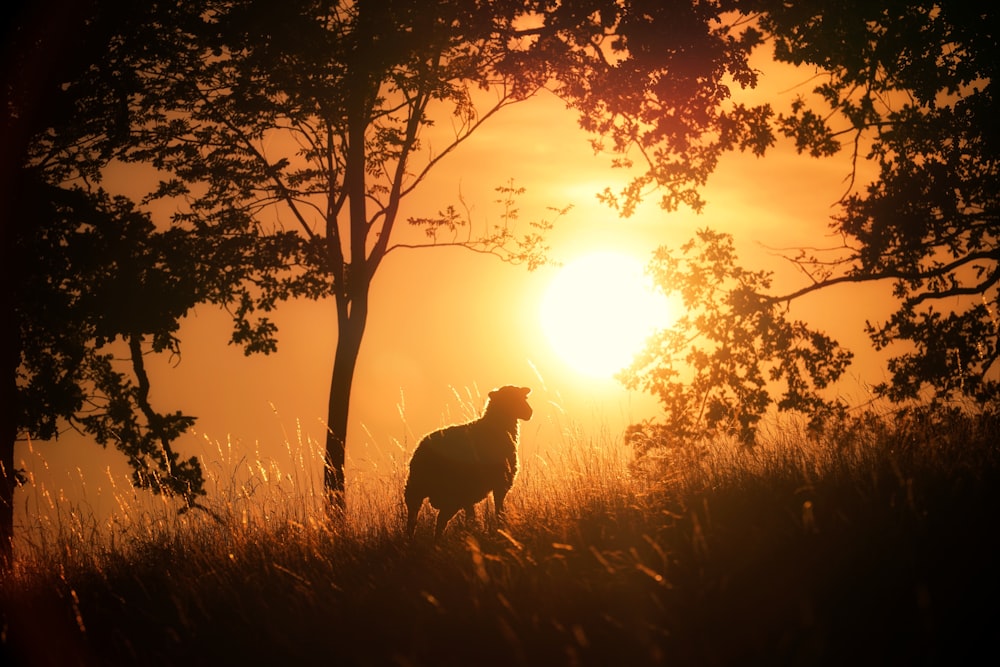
[525,390]
[492,394]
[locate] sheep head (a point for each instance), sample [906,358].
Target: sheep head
[512,401]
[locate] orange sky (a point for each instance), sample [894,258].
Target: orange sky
[445,319]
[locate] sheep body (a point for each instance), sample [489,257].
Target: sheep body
[458,466]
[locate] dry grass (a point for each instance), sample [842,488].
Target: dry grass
[869,545]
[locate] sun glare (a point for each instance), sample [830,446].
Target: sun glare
[599,310]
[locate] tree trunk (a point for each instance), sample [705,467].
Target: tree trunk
[351,289]
[10,357]
[8,476]
[11,214]
[350,331]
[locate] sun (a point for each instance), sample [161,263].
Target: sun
[599,310]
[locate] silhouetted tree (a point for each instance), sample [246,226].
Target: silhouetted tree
[914,83]
[908,88]
[717,367]
[92,284]
[31,96]
[312,117]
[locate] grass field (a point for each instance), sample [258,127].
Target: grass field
[869,545]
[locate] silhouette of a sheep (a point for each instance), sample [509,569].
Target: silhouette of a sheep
[460,465]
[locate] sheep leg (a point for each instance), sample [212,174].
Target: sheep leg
[413,504]
[411,520]
[498,497]
[444,516]
[470,516]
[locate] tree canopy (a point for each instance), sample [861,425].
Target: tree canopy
[914,82]
[95,284]
[908,88]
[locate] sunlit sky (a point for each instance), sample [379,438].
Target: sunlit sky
[447,323]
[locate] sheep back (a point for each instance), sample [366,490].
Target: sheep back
[460,465]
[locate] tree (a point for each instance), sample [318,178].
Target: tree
[312,117]
[716,367]
[96,254]
[915,81]
[94,285]
[30,94]
[908,87]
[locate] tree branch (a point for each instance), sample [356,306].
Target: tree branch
[992,280]
[418,109]
[505,101]
[911,276]
[272,172]
[494,250]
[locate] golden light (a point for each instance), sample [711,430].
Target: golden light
[599,310]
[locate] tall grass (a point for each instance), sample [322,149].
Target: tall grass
[868,544]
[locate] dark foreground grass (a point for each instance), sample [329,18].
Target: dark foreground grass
[876,549]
